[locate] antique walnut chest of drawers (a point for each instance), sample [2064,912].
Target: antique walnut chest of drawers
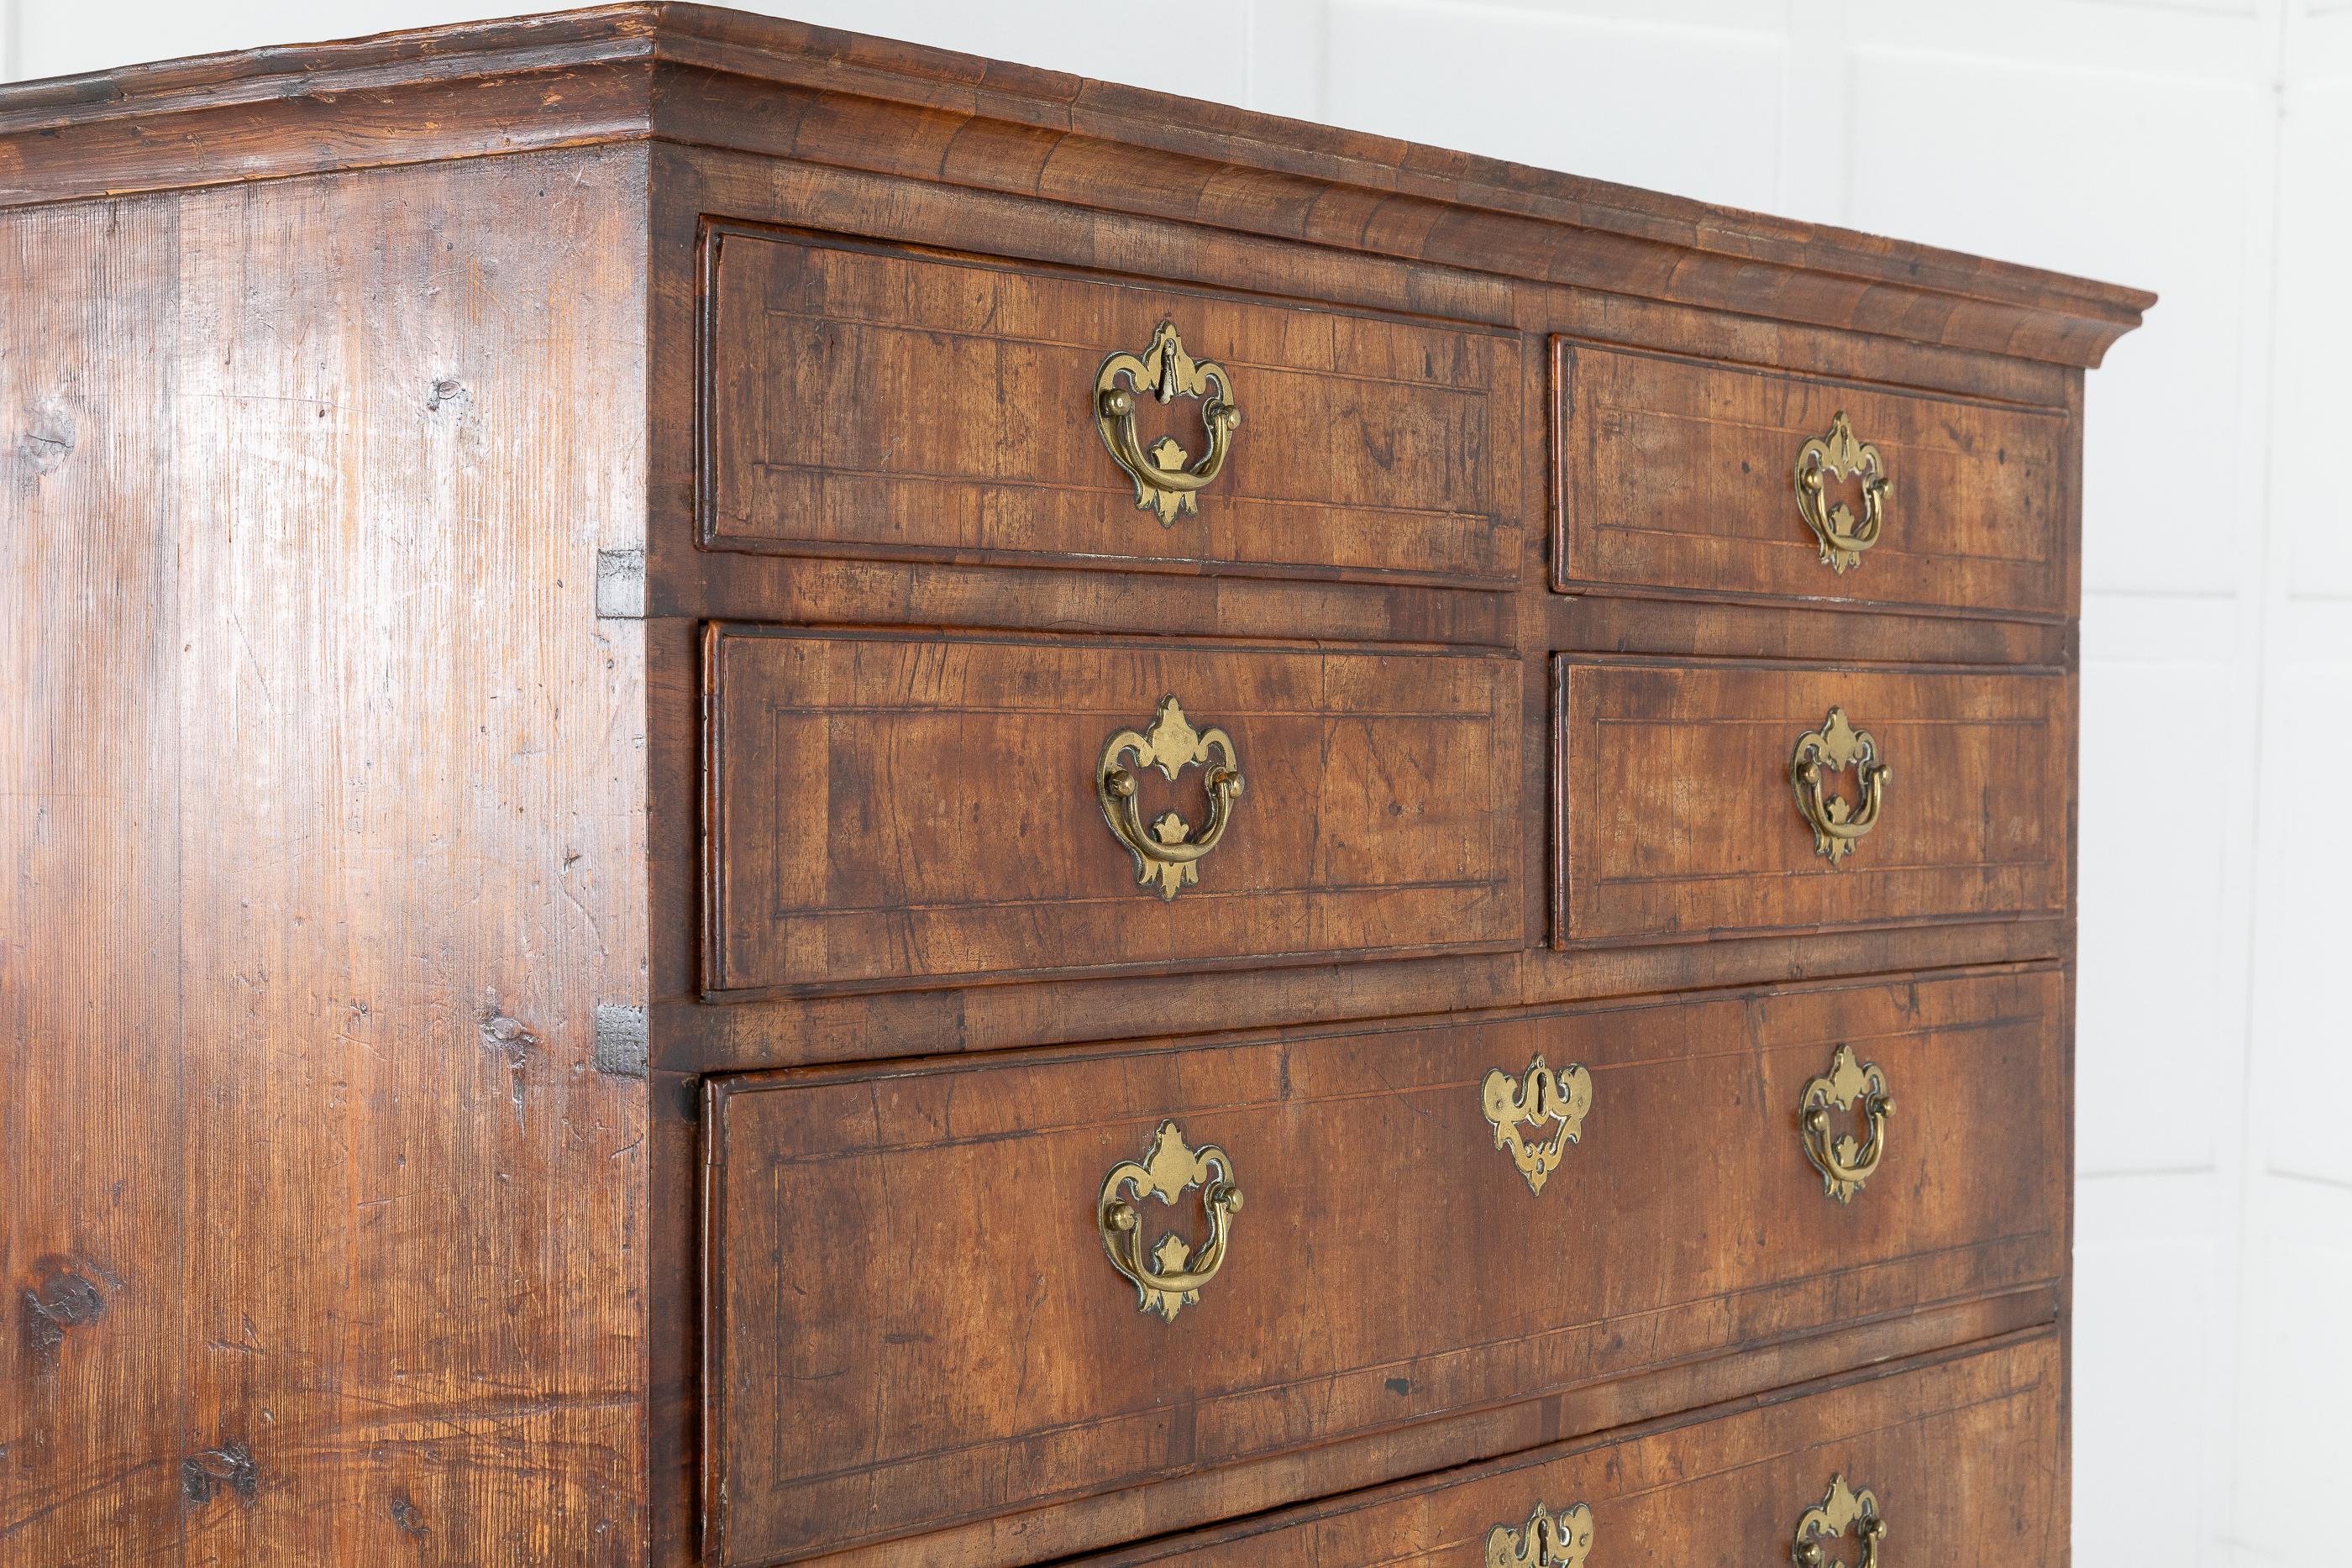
[715,731]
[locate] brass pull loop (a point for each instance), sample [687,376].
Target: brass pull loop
[1163,483]
[1837,823]
[1540,1095]
[1548,1540]
[1837,456]
[1169,850]
[1845,1165]
[1841,1510]
[1169,1276]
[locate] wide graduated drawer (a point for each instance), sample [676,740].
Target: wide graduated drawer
[891,810]
[862,400]
[1958,1463]
[1684,474]
[1681,813]
[915,1319]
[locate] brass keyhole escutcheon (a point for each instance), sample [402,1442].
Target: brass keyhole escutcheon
[1841,1511]
[1859,1088]
[1837,456]
[1168,852]
[1168,1273]
[1538,1096]
[1838,823]
[1167,481]
[1548,1540]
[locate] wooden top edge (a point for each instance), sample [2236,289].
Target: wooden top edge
[852,65]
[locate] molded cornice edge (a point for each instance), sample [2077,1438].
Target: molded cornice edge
[710,77]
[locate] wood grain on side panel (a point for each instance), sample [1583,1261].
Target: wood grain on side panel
[1679,474]
[321,818]
[892,810]
[1677,820]
[912,1322]
[94,1117]
[862,400]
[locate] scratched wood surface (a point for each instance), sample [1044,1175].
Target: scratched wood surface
[865,401]
[335,814]
[321,815]
[892,810]
[974,1353]
[1677,473]
[1964,1457]
[1676,817]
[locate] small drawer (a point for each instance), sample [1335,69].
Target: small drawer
[1681,813]
[916,1320]
[1959,1463]
[888,811]
[1688,476]
[864,400]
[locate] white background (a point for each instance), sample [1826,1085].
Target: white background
[2200,148]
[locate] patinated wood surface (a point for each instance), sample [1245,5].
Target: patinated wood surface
[338,815]
[1964,1457]
[1676,817]
[320,803]
[887,809]
[866,401]
[1676,474]
[914,1325]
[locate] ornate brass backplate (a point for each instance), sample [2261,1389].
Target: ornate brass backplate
[1163,482]
[1842,1510]
[1539,1096]
[1838,823]
[1837,456]
[1169,851]
[1169,1277]
[1845,1163]
[1548,1540]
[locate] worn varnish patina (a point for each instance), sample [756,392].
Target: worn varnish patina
[569,983]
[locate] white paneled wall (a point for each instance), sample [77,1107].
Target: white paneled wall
[2202,148]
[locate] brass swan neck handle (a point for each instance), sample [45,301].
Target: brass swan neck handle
[1841,1510]
[1838,824]
[1845,1163]
[1167,851]
[1166,482]
[1837,456]
[1168,1275]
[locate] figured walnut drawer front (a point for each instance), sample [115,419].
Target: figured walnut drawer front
[1681,475]
[1960,1462]
[1679,817]
[915,1319]
[899,810]
[864,400]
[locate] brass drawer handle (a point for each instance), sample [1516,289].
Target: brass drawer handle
[1841,1510]
[1838,823]
[1169,1278]
[1168,852]
[1548,1540]
[1837,456]
[1541,1097]
[1163,483]
[1843,1164]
